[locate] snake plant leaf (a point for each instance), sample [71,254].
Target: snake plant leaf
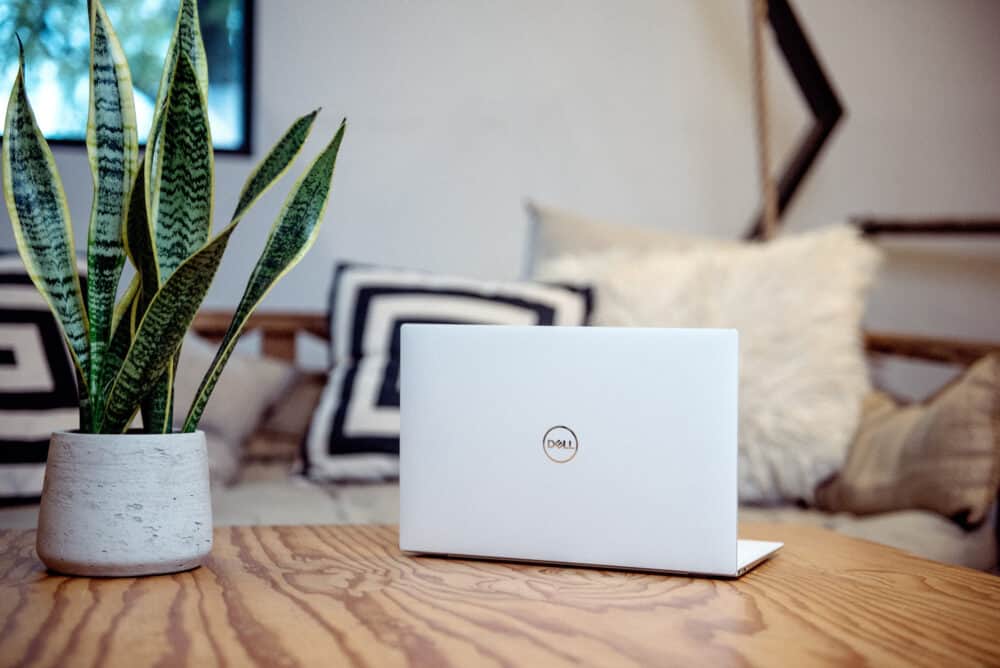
[181,193]
[151,172]
[160,332]
[158,406]
[124,305]
[180,204]
[186,39]
[275,163]
[291,237]
[139,247]
[39,215]
[121,334]
[138,238]
[112,147]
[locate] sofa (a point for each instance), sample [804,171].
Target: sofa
[255,447]
[267,490]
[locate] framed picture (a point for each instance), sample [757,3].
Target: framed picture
[56,39]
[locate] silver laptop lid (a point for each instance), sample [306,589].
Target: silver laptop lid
[592,445]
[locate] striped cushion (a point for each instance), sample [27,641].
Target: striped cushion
[355,430]
[37,383]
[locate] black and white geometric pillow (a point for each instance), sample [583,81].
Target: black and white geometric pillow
[37,383]
[354,432]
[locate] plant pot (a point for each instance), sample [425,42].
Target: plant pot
[125,504]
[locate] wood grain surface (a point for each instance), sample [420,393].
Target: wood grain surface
[345,595]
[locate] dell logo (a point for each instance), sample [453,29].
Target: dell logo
[560,444]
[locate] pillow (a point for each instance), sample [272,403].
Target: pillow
[554,232]
[279,437]
[797,303]
[942,455]
[292,413]
[247,387]
[37,383]
[355,430]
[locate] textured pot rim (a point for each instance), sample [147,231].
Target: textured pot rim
[131,433]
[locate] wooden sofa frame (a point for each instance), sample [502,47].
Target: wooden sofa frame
[279,329]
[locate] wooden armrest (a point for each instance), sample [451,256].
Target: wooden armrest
[932,349]
[278,331]
[871,226]
[213,323]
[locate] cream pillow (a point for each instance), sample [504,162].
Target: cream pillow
[797,303]
[555,232]
[941,455]
[247,387]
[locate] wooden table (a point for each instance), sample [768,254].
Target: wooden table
[344,595]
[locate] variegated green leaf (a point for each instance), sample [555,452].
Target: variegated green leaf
[138,239]
[275,163]
[38,212]
[124,305]
[161,331]
[290,238]
[181,197]
[121,334]
[186,39]
[151,163]
[180,200]
[139,247]
[113,148]
[158,406]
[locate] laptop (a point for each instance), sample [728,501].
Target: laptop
[592,446]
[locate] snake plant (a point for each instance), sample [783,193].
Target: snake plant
[156,211]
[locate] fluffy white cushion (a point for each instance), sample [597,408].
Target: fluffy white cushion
[797,303]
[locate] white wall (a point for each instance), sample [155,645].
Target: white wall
[632,111]
[921,139]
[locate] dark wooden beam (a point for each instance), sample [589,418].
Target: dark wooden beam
[819,95]
[213,323]
[928,348]
[281,327]
[278,331]
[877,226]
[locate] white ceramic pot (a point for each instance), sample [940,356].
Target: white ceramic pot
[125,504]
